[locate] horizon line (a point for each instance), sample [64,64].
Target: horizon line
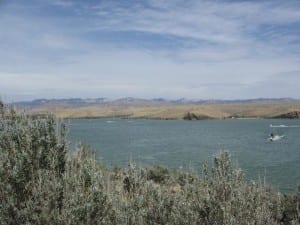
[155,99]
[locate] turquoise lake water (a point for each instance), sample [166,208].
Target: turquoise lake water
[186,145]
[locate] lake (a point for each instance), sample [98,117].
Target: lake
[187,145]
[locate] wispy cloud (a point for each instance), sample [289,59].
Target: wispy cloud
[211,21]
[62,3]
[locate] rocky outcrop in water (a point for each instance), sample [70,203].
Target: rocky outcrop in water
[193,116]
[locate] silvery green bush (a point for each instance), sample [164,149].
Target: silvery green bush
[42,182]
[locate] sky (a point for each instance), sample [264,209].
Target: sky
[194,49]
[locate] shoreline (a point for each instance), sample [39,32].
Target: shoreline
[178,112]
[159,118]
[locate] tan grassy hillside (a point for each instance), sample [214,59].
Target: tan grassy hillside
[218,111]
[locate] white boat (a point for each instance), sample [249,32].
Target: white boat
[275,137]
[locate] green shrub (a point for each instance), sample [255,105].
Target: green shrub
[32,154]
[291,209]
[40,183]
[158,174]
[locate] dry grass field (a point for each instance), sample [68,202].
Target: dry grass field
[214,111]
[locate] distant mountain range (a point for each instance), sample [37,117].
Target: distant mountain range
[129,101]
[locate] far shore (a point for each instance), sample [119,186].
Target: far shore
[177,112]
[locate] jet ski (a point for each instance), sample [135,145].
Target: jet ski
[275,137]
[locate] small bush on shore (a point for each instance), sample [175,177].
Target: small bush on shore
[41,182]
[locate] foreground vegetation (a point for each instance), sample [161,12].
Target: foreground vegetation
[41,182]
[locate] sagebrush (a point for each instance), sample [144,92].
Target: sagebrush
[42,182]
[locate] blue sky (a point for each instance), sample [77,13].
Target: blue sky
[196,49]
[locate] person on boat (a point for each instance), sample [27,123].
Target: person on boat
[271,137]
